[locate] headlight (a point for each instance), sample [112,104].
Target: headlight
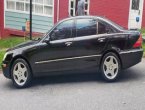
[5,56]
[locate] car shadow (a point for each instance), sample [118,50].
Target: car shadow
[67,78]
[131,74]
[128,75]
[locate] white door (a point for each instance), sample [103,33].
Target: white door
[136,12]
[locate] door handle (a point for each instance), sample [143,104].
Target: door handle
[101,39]
[68,43]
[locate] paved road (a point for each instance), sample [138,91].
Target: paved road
[77,92]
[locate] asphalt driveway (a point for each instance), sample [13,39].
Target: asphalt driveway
[77,92]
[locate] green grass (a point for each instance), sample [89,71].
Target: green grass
[143,31]
[2,52]
[143,34]
[8,43]
[143,45]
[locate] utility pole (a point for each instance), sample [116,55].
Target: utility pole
[31,19]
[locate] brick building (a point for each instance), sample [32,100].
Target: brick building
[14,13]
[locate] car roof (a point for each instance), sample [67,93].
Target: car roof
[96,17]
[78,17]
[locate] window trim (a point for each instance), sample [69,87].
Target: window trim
[114,30]
[60,24]
[85,18]
[25,12]
[83,38]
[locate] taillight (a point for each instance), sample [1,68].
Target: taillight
[138,42]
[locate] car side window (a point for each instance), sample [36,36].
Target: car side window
[104,28]
[101,28]
[62,31]
[85,27]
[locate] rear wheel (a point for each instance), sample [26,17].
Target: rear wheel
[21,74]
[110,67]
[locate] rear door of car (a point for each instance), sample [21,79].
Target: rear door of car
[90,41]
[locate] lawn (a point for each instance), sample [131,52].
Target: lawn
[143,45]
[8,43]
[143,31]
[143,34]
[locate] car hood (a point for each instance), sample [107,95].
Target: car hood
[23,45]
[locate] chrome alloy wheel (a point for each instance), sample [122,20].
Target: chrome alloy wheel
[110,67]
[20,73]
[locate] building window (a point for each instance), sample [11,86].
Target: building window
[135,4]
[73,7]
[10,5]
[40,7]
[20,6]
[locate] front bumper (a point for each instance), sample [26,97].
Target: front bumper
[131,57]
[6,69]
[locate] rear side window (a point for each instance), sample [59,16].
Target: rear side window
[101,28]
[86,27]
[105,28]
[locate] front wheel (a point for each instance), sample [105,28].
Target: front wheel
[110,66]
[21,74]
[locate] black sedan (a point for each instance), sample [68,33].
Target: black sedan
[74,44]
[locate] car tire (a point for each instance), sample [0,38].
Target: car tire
[110,67]
[21,73]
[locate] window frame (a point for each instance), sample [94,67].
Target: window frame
[85,19]
[107,25]
[135,7]
[73,24]
[27,12]
[112,28]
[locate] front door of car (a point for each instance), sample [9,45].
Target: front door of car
[56,54]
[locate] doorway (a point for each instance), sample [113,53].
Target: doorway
[73,7]
[135,14]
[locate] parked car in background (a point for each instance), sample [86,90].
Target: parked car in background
[76,43]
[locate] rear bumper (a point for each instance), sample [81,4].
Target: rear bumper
[131,57]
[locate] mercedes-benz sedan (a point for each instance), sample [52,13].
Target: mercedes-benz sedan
[74,44]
